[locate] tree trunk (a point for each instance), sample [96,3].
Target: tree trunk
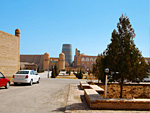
[121,88]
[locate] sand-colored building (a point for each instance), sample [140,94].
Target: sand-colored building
[84,61]
[9,53]
[45,62]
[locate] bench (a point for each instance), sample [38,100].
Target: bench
[91,96]
[95,101]
[84,85]
[97,88]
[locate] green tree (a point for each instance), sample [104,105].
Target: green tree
[122,55]
[56,70]
[38,69]
[80,76]
[53,73]
[98,68]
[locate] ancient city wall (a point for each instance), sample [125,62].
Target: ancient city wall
[36,59]
[9,53]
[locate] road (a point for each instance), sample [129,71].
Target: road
[48,96]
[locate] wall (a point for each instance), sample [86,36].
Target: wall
[36,59]
[9,53]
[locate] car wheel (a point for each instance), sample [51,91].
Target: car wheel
[7,85]
[38,81]
[31,82]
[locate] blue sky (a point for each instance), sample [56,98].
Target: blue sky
[86,24]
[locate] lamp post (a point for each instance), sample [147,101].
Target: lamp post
[107,72]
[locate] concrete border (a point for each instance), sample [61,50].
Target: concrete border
[95,101]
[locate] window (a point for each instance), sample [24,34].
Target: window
[31,73]
[87,59]
[34,73]
[82,59]
[94,59]
[1,75]
[22,72]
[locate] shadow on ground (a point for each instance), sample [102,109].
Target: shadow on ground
[75,106]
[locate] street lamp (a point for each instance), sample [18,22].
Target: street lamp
[106,72]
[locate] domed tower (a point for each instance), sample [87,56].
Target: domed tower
[17,33]
[61,61]
[46,61]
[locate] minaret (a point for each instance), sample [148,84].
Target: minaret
[76,52]
[61,61]
[17,33]
[46,61]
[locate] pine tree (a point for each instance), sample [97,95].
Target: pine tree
[98,68]
[56,70]
[53,73]
[122,55]
[80,75]
[38,69]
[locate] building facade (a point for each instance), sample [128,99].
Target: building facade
[84,61]
[44,62]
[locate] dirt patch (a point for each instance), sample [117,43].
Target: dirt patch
[129,92]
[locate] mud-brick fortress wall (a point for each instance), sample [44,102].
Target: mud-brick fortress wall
[9,53]
[36,59]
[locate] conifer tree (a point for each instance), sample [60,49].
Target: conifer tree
[98,68]
[53,73]
[56,70]
[122,55]
[80,76]
[38,69]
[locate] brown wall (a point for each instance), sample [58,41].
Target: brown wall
[9,53]
[36,59]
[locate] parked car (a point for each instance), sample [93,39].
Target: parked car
[26,76]
[4,81]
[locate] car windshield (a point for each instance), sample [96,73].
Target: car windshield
[22,72]
[1,75]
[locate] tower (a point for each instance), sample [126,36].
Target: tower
[67,50]
[61,61]
[17,33]
[46,61]
[77,58]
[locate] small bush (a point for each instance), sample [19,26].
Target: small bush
[79,75]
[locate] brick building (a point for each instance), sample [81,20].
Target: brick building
[84,61]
